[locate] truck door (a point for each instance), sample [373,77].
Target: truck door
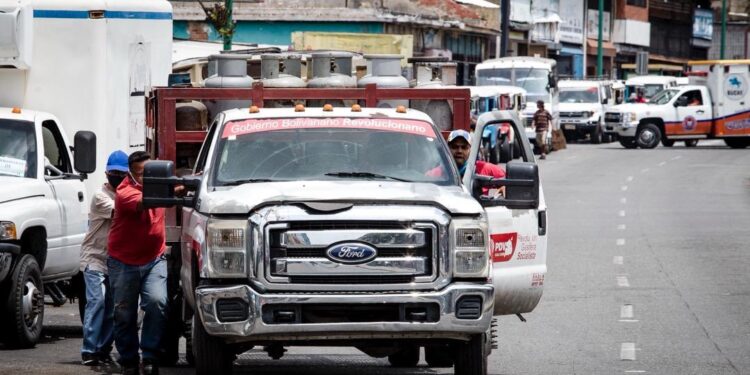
[64,242]
[693,114]
[518,242]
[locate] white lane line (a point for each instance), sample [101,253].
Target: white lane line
[623,200]
[622,281]
[620,242]
[624,188]
[627,351]
[626,312]
[622,213]
[644,170]
[630,178]
[635,372]
[618,259]
[621,227]
[662,163]
[628,320]
[676,157]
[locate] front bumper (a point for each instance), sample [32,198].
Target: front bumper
[579,126]
[627,129]
[448,325]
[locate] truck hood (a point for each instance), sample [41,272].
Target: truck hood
[15,188]
[632,107]
[242,199]
[579,107]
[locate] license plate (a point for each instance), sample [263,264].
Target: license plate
[610,127]
[569,127]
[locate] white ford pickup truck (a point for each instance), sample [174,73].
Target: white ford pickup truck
[43,207]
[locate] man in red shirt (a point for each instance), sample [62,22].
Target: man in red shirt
[137,268]
[459,142]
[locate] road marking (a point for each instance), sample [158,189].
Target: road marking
[628,320]
[624,188]
[622,281]
[644,170]
[623,200]
[617,260]
[630,178]
[627,351]
[662,163]
[676,157]
[620,242]
[622,213]
[621,226]
[626,312]
[635,371]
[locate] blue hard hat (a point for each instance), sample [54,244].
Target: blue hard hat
[117,161]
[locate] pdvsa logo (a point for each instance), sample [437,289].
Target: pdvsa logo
[689,123]
[735,86]
[503,246]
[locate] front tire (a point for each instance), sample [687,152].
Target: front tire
[691,143]
[596,135]
[471,357]
[24,304]
[648,136]
[628,142]
[438,356]
[667,142]
[407,356]
[212,355]
[737,142]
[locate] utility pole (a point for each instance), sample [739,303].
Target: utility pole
[723,28]
[504,27]
[229,4]
[599,52]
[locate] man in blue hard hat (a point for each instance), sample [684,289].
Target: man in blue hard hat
[98,317]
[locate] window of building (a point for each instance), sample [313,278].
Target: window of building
[638,3]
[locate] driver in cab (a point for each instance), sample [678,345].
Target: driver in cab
[459,142]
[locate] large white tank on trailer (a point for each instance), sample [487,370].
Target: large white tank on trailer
[435,72]
[281,71]
[231,72]
[89,63]
[331,70]
[385,71]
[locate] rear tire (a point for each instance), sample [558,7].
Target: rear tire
[648,136]
[628,142]
[438,355]
[471,357]
[667,142]
[691,143]
[407,356]
[596,135]
[737,142]
[212,355]
[23,302]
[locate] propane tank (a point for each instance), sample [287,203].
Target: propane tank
[435,72]
[282,72]
[385,71]
[231,72]
[331,70]
[191,115]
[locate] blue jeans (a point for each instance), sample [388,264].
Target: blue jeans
[98,317]
[149,282]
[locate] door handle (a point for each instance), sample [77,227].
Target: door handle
[700,112]
[542,216]
[80,196]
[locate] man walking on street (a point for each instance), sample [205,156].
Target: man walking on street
[137,268]
[541,122]
[97,318]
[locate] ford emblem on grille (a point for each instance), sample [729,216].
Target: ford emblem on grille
[351,253]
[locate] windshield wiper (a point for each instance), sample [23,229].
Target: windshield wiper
[246,181]
[365,175]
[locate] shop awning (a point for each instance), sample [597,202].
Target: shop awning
[608,49]
[567,50]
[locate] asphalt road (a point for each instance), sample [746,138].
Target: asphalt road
[648,273]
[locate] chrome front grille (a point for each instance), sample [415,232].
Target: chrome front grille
[572,114]
[612,117]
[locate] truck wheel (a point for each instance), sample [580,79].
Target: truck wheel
[24,304]
[79,288]
[691,143]
[471,357]
[648,136]
[628,142]
[667,142]
[438,356]
[737,142]
[596,135]
[212,356]
[34,242]
[407,356]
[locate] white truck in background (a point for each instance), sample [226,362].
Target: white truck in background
[582,106]
[650,85]
[536,75]
[68,70]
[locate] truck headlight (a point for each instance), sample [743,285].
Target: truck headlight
[8,231]
[469,248]
[226,248]
[629,117]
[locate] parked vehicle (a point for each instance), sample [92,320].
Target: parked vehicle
[713,106]
[308,243]
[582,106]
[67,69]
[538,76]
[650,85]
[497,140]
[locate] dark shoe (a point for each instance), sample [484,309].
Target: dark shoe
[542,157]
[105,359]
[150,367]
[130,369]
[89,359]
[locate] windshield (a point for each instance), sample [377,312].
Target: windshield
[534,80]
[590,95]
[293,149]
[649,90]
[663,97]
[17,149]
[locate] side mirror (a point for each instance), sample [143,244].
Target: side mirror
[521,187]
[84,156]
[159,182]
